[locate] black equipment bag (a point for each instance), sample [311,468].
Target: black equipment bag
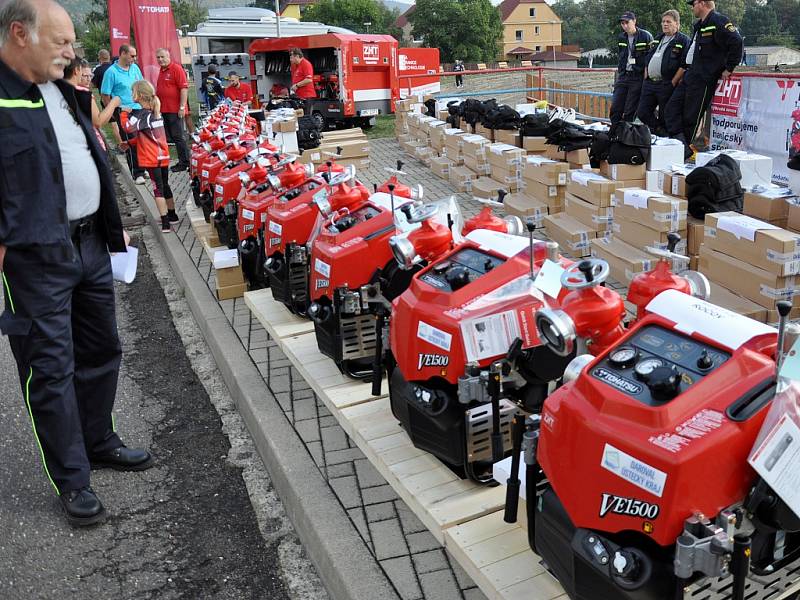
[501,117]
[599,148]
[630,143]
[715,187]
[308,133]
[568,136]
[536,125]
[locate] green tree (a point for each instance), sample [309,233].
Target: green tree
[759,21]
[580,21]
[354,14]
[788,13]
[188,12]
[733,9]
[468,30]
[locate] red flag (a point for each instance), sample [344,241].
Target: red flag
[154,28]
[119,24]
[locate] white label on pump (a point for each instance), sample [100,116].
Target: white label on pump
[633,470]
[275,228]
[248,214]
[692,315]
[490,335]
[432,335]
[322,268]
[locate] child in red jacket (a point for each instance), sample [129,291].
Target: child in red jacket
[147,125]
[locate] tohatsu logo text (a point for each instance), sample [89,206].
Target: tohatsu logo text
[154,9]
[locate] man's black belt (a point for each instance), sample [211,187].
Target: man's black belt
[83,226]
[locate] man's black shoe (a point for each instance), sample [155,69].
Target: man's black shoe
[82,507]
[173,216]
[122,459]
[179,167]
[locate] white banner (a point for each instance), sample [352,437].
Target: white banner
[760,115]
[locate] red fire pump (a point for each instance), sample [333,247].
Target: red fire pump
[637,477]
[354,250]
[201,154]
[227,186]
[477,358]
[290,224]
[232,154]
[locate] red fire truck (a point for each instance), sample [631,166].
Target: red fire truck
[356,76]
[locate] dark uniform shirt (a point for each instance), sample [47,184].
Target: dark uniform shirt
[718,47]
[674,55]
[33,201]
[641,48]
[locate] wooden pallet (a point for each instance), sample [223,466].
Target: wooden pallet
[278,321]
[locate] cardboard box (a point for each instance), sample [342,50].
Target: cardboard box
[673,182]
[402,106]
[694,262]
[722,296]
[454,155]
[622,172]
[461,178]
[769,205]
[554,153]
[423,154]
[231,291]
[441,166]
[640,236]
[760,286]
[437,138]
[358,163]
[651,181]
[545,170]
[577,157]
[525,207]
[664,156]
[484,131]
[478,164]
[486,189]
[505,155]
[573,236]
[600,218]
[624,260]
[351,148]
[510,177]
[474,145]
[695,230]
[793,217]
[656,211]
[592,187]
[229,276]
[756,169]
[454,138]
[756,242]
[508,136]
[552,194]
[535,144]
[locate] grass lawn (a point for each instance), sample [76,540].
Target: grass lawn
[384,127]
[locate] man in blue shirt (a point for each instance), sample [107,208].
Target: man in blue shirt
[118,80]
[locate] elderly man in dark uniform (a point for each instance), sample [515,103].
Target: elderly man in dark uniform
[58,221]
[714,53]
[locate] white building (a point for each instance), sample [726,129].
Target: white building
[767,56]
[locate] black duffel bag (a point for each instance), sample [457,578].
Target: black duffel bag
[630,143]
[536,125]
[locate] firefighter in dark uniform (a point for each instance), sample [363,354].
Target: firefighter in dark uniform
[634,45]
[664,71]
[714,52]
[58,222]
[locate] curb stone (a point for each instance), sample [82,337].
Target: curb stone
[345,564]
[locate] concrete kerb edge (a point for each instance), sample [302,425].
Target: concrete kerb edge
[345,565]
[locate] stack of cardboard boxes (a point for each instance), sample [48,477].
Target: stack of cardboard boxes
[544,183]
[755,259]
[346,146]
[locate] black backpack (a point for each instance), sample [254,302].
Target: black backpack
[598,151]
[430,108]
[536,125]
[501,117]
[568,136]
[308,133]
[630,143]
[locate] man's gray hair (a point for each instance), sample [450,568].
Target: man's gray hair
[18,11]
[163,50]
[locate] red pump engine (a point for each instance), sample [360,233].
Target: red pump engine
[644,450]
[291,224]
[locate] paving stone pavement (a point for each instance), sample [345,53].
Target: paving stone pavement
[414,561]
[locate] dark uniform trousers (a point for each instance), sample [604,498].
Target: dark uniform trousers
[688,104]
[173,126]
[625,99]
[61,324]
[655,94]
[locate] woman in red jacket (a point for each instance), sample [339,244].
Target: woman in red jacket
[152,149]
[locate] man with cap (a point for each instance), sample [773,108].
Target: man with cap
[212,87]
[634,45]
[714,53]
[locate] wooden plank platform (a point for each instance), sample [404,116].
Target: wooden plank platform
[273,315]
[465,517]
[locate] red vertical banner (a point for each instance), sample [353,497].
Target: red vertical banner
[119,24]
[154,28]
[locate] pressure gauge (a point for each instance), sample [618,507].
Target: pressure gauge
[648,365]
[623,357]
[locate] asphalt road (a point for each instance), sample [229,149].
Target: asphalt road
[184,529]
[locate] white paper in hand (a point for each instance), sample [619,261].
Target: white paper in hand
[123,264]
